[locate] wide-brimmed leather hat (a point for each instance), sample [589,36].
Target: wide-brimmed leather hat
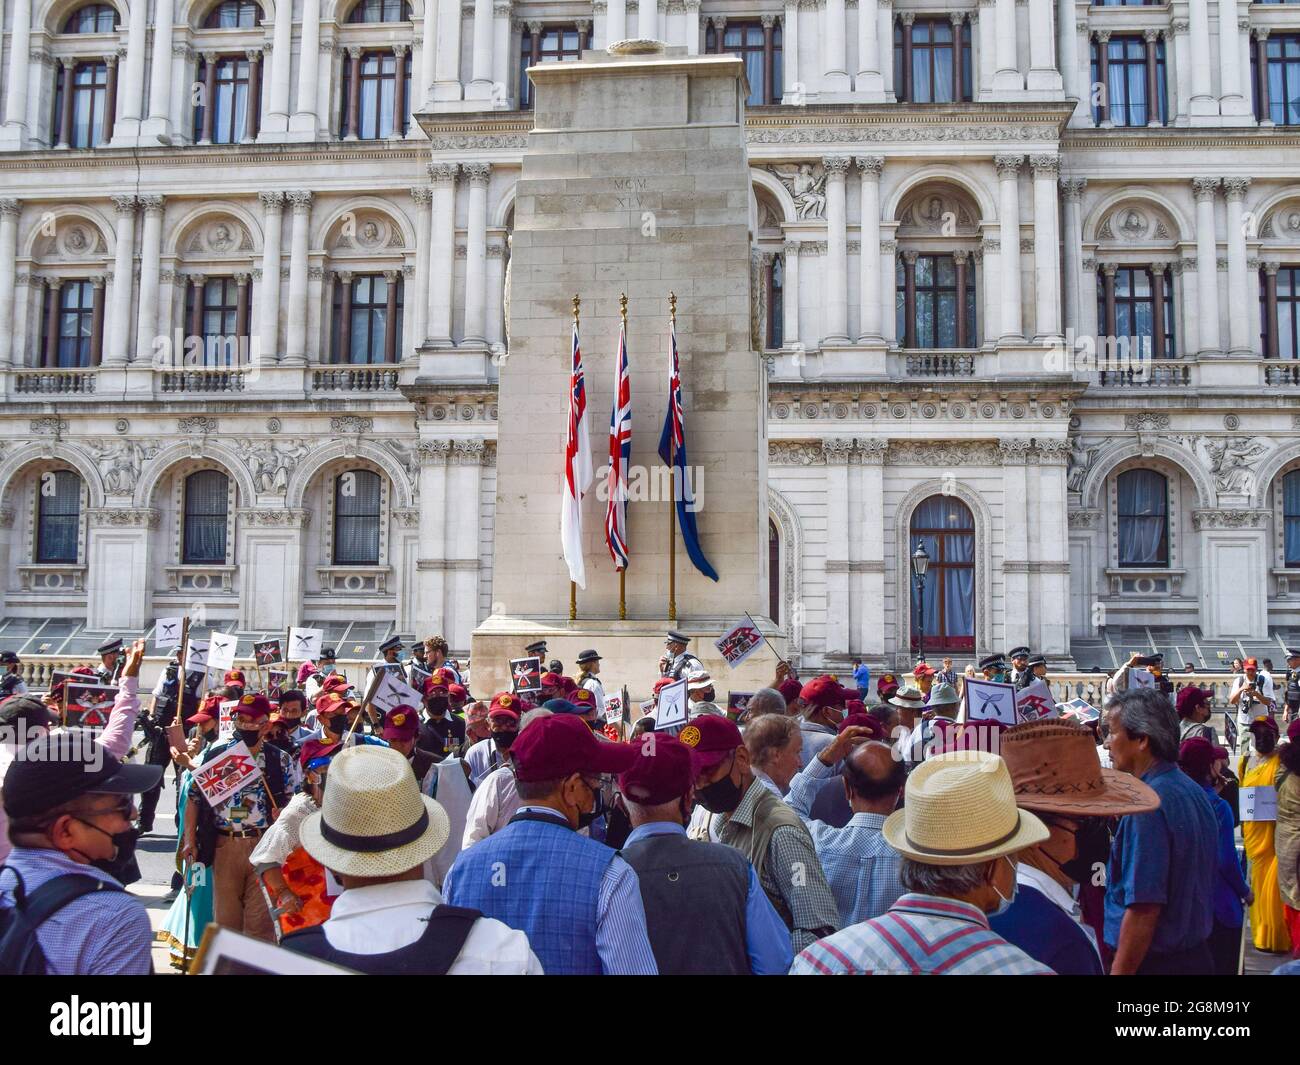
[373,820]
[1055,769]
[960,809]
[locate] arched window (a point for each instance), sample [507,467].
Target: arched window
[356,518]
[773,573]
[775,301]
[381,11]
[233,15]
[1291,518]
[945,525]
[1143,513]
[207,495]
[93,18]
[58,516]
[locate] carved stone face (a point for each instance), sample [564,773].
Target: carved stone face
[1134,224]
[933,209]
[370,233]
[77,239]
[221,236]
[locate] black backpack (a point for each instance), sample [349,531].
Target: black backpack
[20,950]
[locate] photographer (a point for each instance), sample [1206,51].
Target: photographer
[153,724]
[1252,695]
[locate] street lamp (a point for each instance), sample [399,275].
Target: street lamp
[920,563]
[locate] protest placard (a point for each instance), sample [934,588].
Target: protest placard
[226,774]
[1035,701]
[1141,678]
[393,691]
[196,656]
[739,642]
[305,644]
[614,707]
[88,705]
[221,650]
[168,632]
[672,710]
[226,720]
[266,652]
[990,700]
[526,675]
[1258,803]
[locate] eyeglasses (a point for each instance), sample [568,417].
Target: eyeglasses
[123,808]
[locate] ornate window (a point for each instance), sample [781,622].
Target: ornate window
[81,122]
[68,324]
[933,58]
[231,91]
[1132,76]
[232,15]
[357,518]
[1275,66]
[381,11]
[1279,299]
[775,301]
[217,309]
[376,86]
[93,18]
[58,517]
[1291,519]
[945,525]
[1142,510]
[207,500]
[546,44]
[1136,303]
[759,47]
[930,289]
[367,318]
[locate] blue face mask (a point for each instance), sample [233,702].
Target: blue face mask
[1005,903]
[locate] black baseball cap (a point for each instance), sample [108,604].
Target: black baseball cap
[60,766]
[26,708]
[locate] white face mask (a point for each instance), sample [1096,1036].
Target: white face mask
[1005,903]
[327,668]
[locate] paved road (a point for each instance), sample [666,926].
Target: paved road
[156,854]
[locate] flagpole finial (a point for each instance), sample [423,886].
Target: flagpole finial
[622,305]
[576,303]
[672,305]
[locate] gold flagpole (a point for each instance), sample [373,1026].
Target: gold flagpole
[672,480]
[573,585]
[622,570]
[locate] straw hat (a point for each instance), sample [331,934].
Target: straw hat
[1055,769]
[374,821]
[960,810]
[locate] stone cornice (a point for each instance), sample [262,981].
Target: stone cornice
[1157,139]
[1229,519]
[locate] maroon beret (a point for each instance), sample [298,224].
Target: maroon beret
[861,720]
[254,704]
[1198,754]
[661,772]
[401,723]
[711,739]
[789,689]
[560,745]
[822,691]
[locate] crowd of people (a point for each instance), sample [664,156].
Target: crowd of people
[868,827]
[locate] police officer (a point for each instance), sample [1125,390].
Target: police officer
[1292,684]
[994,667]
[1036,670]
[390,652]
[1019,664]
[677,660]
[111,661]
[11,681]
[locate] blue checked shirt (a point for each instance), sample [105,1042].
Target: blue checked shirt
[919,934]
[861,868]
[105,933]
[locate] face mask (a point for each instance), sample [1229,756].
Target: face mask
[438,705]
[503,740]
[250,736]
[123,848]
[1004,903]
[326,669]
[722,796]
[338,724]
[597,809]
[1092,847]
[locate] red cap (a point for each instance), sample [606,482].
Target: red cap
[441,678]
[711,739]
[886,685]
[400,723]
[789,689]
[505,704]
[1191,697]
[552,680]
[332,703]
[236,676]
[201,716]
[335,682]
[584,699]
[457,691]
[1197,754]
[1293,731]
[854,706]
[822,691]
[1265,721]
[661,773]
[862,720]
[661,684]
[922,670]
[254,704]
[569,685]
[57,689]
[1250,663]
[314,748]
[560,745]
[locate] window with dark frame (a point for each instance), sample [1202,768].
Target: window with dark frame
[1281,292]
[356,518]
[233,15]
[1276,93]
[58,517]
[1128,310]
[380,11]
[376,95]
[218,320]
[93,18]
[927,65]
[90,104]
[1142,498]
[927,301]
[74,321]
[361,320]
[230,100]
[551,44]
[749,41]
[206,506]
[1129,76]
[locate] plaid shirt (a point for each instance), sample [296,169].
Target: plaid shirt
[863,870]
[791,872]
[920,934]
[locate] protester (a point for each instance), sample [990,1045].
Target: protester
[442,732]
[957,833]
[861,868]
[1287,836]
[496,799]
[223,838]
[748,817]
[1198,757]
[23,718]
[1163,864]
[1056,774]
[68,800]
[910,731]
[923,676]
[701,695]
[488,755]
[774,742]
[763,701]
[1193,709]
[823,709]
[1261,769]
[939,727]
[576,899]
[1251,694]
[732,927]
[375,831]
[398,730]
[476,725]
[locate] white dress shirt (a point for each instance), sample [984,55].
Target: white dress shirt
[381,918]
[495,801]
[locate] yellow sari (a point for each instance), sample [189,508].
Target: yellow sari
[1267,923]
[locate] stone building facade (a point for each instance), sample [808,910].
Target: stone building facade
[1026,280]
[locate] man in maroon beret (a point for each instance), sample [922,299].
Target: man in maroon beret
[576,899]
[823,709]
[224,837]
[400,727]
[732,929]
[764,829]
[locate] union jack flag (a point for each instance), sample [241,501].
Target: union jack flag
[577,469]
[620,457]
